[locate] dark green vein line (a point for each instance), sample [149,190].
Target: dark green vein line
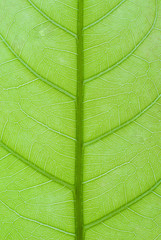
[79,129]
[104,16]
[36,168]
[35,73]
[127,56]
[35,221]
[124,207]
[52,21]
[122,125]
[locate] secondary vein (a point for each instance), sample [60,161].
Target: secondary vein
[106,15]
[123,207]
[35,73]
[35,167]
[127,56]
[106,134]
[51,20]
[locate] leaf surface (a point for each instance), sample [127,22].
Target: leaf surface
[80,119]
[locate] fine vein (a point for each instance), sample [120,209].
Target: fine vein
[46,126]
[35,167]
[35,221]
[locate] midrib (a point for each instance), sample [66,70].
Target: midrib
[79,128]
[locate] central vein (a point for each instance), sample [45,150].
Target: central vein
[79,127]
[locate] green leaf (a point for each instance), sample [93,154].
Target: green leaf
[80,119]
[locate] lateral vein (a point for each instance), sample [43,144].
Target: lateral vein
[123,207]
[36,74]
[36,168]
[122,125]
[51,20]
[126,57]
[104,16]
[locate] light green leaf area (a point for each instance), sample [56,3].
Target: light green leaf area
[80,119]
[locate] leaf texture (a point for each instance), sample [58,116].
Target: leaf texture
[80,119]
